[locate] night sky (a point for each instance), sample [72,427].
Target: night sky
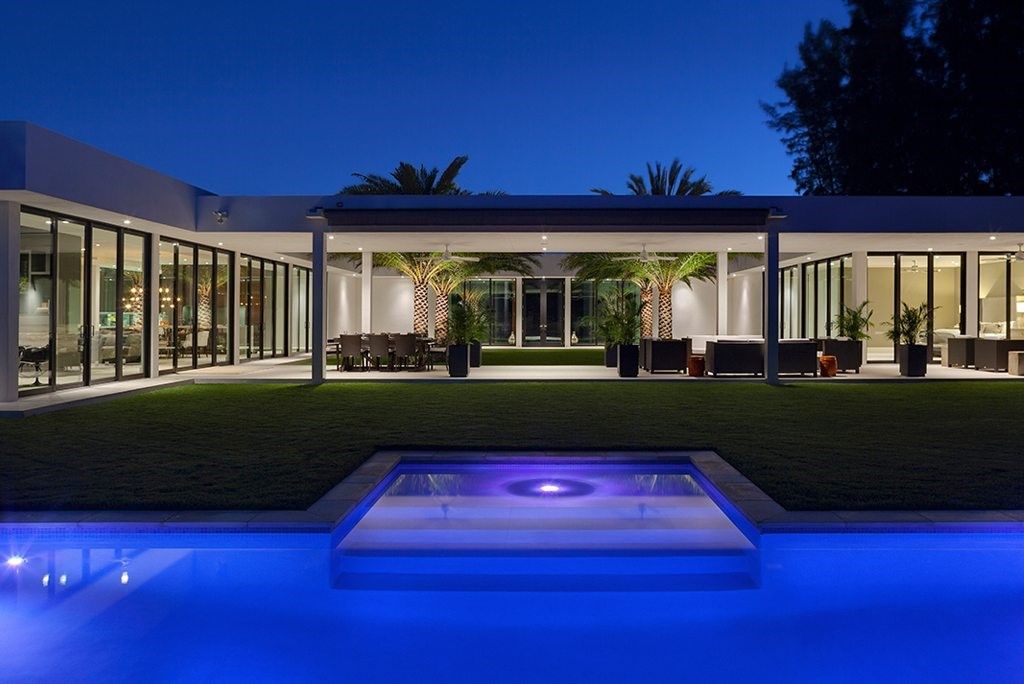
[291,97]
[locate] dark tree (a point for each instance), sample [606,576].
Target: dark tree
[913,97]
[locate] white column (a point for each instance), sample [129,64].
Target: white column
[567,322]
[723,293]
[154,305]
[860,289]
[519,312]
[366,309]
[771,307]
[971,314]
[319,288]
[10,240]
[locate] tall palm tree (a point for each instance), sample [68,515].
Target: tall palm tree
[455,273]
[670,180]
[605,266]
[406,179]
[683,268]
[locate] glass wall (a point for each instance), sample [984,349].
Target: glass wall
[584,298]
[70,303]
[82,302]
[195,310]
[825,285]
[948,286]
[881,298]
[299,311]
[789,296]
[35,299]
[498,296]
[1001,296]
[263,299]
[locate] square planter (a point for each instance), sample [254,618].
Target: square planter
[476,350]
[611,355]
[458,360]
[629,360]
[913,359]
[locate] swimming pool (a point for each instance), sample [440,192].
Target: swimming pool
[385,603]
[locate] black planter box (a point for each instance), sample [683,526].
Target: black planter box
[611,355]
[476,350]
[458,360]
[913,360]
[629,360]
[848,353]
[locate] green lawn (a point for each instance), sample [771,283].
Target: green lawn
[499,356]
[811,446]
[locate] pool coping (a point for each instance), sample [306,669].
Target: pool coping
[334,507]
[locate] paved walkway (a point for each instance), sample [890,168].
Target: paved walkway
[287,371]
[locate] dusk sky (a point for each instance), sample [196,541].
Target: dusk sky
[292,97]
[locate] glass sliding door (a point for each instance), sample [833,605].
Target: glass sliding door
[280,309]
[882,296]
[298,301]
[35,299]
[789,296]
[167,346]
[947,299]
[1016,300]
[543,312]
[222,308]
[185,285]
[1001,297]
[103,305]
[497,296]
[206,289]
[69,319]
[135,304]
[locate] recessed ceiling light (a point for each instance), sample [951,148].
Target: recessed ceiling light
[760,237]
[931,249]
[360,249]
[127,222]
[220,244]
[729,249]
[543,249]
[543,237]
[991,237]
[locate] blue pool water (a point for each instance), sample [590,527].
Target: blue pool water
[438,582]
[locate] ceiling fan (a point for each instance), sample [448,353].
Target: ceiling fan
[447,255]
[644,257]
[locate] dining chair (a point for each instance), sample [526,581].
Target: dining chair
[407,350]
[379,349]
[350,349]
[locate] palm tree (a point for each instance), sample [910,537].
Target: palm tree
[683,268]
[671,180]
[605,266]
[455,273]
[406,179]
[419,267]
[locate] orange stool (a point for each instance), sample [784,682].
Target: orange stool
[695,366]
[828,366]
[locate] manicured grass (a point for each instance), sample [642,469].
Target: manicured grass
[811,446]
[499,356]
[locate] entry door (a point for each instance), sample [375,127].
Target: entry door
[543,312]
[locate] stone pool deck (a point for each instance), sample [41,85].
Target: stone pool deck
[335,507]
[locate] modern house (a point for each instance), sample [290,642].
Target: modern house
[113,271]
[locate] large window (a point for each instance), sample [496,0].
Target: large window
[263,300]
[935,280]
[1001,296]
[789,296]
[299,313]
[825,285]
[498,296]
[195,313]
[585,296]
[82,302]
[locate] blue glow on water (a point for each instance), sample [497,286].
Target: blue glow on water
[268,607]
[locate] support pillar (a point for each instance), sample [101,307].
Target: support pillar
[10,241]
[319,307]
[860,288]
[722,278]
[366,310]
[972,295]
[771,307]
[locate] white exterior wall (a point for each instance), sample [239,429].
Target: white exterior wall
[694,310]
[343,304]
[745,304]
[392,304]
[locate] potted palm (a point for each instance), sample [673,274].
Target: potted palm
[851,326]
[604,324]
[906,329]
[626,334]
[467,322]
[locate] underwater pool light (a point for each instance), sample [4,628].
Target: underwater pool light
[15,561]
[550,488]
